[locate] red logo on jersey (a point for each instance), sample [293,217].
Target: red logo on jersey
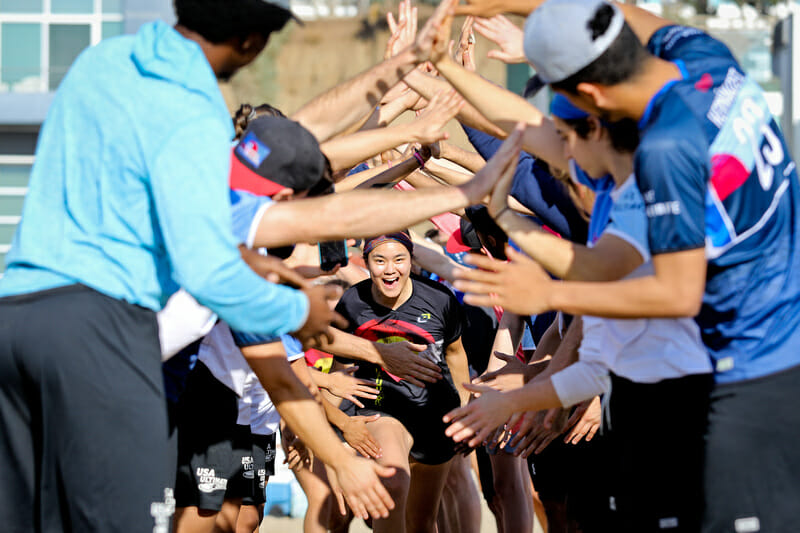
[389,331]
[704,83]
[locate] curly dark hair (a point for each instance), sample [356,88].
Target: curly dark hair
[247,113]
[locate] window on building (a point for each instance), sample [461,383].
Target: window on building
[39,39]
[14,174]
[66,42]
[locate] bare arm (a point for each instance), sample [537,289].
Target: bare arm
[363,213]
[566,353]
[346,151]
[357,477]
[399,358]
[643,23]
[446,174]
[335,110]
[507,339]
[611,258]
[505,109]
[676,289]
[428,257]
[357,214]
[471,161]
[427,86]
[456,359]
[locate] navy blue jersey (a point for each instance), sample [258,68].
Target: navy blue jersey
[715,172]
[537,189]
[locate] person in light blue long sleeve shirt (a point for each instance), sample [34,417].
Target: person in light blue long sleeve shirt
[128,200]
[129,196]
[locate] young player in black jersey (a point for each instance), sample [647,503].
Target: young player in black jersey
[393,306]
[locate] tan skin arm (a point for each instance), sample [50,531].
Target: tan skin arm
[363,213]
[456,359]
[471,161]
[337,109]
[611,258]
[357,477]
[428,86]
[676,290]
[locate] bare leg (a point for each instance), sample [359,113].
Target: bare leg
[513,495]
[396,442]
[460,506]
[322,514]
[225,521]
[249,518]
[194,520]
[424,496]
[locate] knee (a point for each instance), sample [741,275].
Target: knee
[397,485]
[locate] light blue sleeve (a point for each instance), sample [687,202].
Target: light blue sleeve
[247,210]
[293,347]
[194,215]
[628,220]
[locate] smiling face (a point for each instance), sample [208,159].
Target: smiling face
[389,267]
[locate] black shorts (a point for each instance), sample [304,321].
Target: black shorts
[655,440]
[752,470]
[263,468]
[215,457]
[423,420]
[576,475]
[83,421]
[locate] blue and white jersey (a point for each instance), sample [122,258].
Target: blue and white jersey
[645,350]
[247,209]
[715,172]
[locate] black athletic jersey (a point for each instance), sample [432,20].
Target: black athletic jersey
[432,316]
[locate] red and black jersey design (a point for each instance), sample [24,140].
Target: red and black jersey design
[431,316]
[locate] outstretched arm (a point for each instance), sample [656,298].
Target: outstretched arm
[335,110]
[346,151]
[676,289]
[364,213]
[358,478]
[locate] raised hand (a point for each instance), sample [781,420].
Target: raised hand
[520,285]
[401,360]
[502,164]
[403,29]
[357,435]
[465,52]
[432,42]
[344,385]
[429,126]
[505,34]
